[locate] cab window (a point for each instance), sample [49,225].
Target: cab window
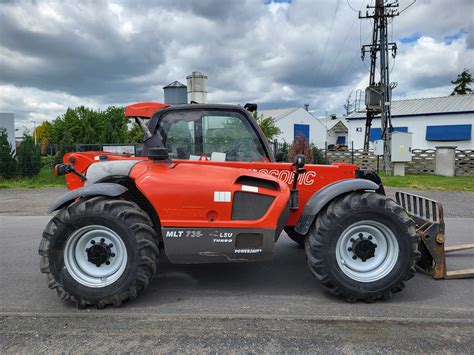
[220,136]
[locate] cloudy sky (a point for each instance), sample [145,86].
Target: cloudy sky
[59,54]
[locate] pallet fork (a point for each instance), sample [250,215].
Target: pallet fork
[429,218]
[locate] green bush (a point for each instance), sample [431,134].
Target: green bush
[284,152]
[8,165]
[29,158]
[47,161]
[318,156]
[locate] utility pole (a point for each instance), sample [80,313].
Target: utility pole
[378,95]
[348,106]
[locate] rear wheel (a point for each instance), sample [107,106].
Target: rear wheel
[99,251]
[363,246]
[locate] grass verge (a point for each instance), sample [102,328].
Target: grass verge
[430,182]
[423,182]
[44,179]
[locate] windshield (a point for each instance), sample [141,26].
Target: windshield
[218,135]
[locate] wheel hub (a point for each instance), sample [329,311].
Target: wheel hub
[355,251]
[99,253]
[364,249]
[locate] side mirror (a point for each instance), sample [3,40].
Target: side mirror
[299,161]
[250,107]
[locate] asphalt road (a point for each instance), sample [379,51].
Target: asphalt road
[35,202]
[269,307]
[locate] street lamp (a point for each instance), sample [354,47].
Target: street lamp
[34,129]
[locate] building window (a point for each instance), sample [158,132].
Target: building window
[458,132]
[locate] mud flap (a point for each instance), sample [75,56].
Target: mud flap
[429,218]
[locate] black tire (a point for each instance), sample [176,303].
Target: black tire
[336,222]
[297,238]
[122,217]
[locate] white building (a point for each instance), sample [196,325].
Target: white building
[436,121]
[337,132]
[7,121]
[297,121]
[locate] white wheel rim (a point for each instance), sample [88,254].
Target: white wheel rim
[85,272]
[385,253]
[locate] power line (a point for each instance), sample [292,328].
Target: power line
[407,7]
[348,4]
[329,34]
[357,55]
[346,37]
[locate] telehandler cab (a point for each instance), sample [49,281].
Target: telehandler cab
[209,190]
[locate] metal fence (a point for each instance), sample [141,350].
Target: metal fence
[423,160]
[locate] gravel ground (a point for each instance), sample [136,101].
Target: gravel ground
[191,335]
[28,202]
[34,202]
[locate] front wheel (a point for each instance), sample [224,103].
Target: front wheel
[363,246]
[99,251]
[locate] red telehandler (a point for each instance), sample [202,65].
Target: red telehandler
[209,190]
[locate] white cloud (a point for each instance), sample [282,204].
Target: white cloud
[55,55]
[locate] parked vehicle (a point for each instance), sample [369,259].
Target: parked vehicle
[210,191]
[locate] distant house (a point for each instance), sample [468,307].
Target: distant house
[337,132]
[436,121]
[297,121]
[7,121]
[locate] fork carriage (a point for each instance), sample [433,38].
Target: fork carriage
[429,218]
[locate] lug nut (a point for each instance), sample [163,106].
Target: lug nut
[92,241]
[360,235]
[354,257]
[370,237]
[87,250]
[352,240]
[375,245]
[349,249]
[363,260]
[102,240]
[111,245]
[107,262]
[112,255]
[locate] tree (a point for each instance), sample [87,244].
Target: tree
[268,126]
[301,146]
[318,157]
[43,132]
[462,83]
[135,134]
[115,125]
[8,165]
[28,156]
[87,126]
